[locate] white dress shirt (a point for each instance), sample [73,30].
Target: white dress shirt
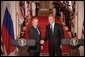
[52,26]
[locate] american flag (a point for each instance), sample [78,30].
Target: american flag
[25,9]
[24,13]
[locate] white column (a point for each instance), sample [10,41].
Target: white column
[79,19]
[33,9]
[18,18]
[80,24]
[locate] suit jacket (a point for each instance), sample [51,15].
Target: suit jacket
[33,34]
[55,37]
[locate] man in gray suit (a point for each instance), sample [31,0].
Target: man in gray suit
[34,33]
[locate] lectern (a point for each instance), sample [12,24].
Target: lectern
[23,45]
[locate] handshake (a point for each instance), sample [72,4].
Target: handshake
[42,42]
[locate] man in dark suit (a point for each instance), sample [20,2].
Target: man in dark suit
[34,33]
[54,34]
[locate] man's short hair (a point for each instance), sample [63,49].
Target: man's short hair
[51,15]
[34,19]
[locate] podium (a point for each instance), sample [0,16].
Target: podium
[23,45]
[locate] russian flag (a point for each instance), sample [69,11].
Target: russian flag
[8,32]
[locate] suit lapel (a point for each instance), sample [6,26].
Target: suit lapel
[54,27]
[49,28]
[50,31]
[37,30]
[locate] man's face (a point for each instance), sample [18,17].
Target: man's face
[35,22]
[51,20]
